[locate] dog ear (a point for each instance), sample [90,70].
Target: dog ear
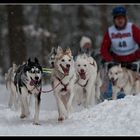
[59,50]
[54,50]
[85,56]
[68,51]
[36,60]
[120,65]
[14,66]
[29,60]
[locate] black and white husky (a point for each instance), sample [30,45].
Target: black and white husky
[28,81]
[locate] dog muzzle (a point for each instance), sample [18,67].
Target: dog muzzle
[65,69]
[113,81]
[34,82]
[82,75]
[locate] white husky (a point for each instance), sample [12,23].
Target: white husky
[124,79]
[86,83]
[9,79]
[63,79]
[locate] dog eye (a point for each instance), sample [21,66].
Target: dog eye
[85,65]
[78,65]
[32,71]
[69,60]
[116,73]
[62,60]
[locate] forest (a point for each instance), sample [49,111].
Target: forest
[31,30]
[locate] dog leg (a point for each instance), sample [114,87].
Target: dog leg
[88,96]
[25,102]
[61,108]
[69,104]
[10,103]
[37,108]
[22,108]
[15,99]
[92,100]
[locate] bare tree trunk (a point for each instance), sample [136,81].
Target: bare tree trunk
[82,15]
[103,18]
[44,18]
[16,38]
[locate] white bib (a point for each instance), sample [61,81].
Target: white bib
[122,42]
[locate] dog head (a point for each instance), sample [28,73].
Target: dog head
[52,57]
[115,73]
[33,71]
[82,66]
[64,60]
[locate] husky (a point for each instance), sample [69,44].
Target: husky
[51,57]
[9,79]
[63,78]
[125,80]
[28,81]
[86,83]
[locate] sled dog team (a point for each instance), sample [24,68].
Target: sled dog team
[73,82]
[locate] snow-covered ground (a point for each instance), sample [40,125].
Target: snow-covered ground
[120,117]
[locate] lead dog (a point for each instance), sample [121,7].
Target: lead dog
[63,79]
[28,81]
[124,79]
[87,83]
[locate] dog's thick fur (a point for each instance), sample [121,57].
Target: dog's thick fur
[9,79]
[87,84]
[28,81]
[63,78]
[124,79]
[51,57]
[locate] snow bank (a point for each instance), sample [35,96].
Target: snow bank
[120,117]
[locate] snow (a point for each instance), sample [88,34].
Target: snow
[109,118]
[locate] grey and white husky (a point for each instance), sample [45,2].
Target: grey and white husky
[9,80]
[28,81]
[63,78]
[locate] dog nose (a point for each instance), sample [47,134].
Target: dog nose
[36,78]
[68,65]
[112,79]
[82,70]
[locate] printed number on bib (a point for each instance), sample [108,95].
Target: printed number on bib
[122,44]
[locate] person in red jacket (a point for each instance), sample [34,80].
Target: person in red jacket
[121,42]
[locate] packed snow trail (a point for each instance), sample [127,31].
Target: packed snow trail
[120,117]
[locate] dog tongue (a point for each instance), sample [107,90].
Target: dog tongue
[113,82]
[66,71]
[82,75]
[33,82]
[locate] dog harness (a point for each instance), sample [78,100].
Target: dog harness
[65,85]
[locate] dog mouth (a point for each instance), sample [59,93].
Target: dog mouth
[114,81]
[34,81]
[82,75]
[65,69]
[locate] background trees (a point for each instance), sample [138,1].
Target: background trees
[31,30]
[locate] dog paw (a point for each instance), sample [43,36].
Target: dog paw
[22,116]
[36,123]
[60,119]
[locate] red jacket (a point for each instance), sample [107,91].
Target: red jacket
[106,44]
